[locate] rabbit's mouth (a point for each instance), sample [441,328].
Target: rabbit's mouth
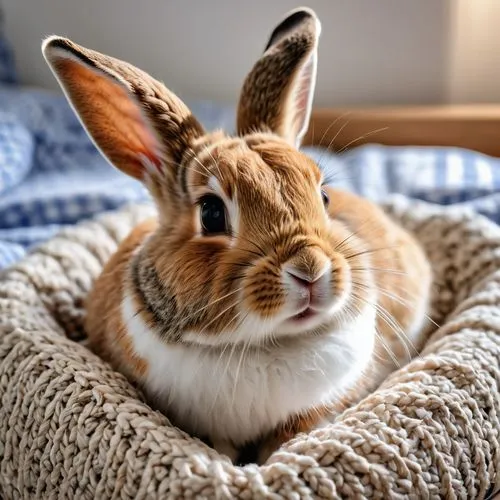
[309,317]
[306,316]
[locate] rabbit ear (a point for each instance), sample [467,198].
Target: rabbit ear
[277,94]
[134,120]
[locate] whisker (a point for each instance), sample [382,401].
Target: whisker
[391,322]
[180,165]
[343,115]
[368,134]
[387,349]
[244,351]
[233,350]
[337,134]
[214,162]
[334,176]
[233,347]
[398,330]
[378,336]
[386,320]
[339,246]
[369,251]
[198,161]
[380,269]
[194,288]
[215,301]
[218,316]
[199,172]
[401,300]
[326,150]
[427,317]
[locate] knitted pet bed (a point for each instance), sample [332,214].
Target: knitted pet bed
[70,427]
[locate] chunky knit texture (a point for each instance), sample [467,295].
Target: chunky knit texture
[70,427]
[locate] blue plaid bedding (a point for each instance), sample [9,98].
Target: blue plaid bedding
[51,175]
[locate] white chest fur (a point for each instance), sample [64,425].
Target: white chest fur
[227,396]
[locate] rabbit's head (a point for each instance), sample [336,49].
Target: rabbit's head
[245,250]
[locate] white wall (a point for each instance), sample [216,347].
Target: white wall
[475,51]
[371,51]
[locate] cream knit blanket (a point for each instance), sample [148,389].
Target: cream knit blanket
[70,427]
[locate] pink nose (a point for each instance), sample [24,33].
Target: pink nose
[306,280]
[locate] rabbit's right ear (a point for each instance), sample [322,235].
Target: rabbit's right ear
[277,93]
[137,123]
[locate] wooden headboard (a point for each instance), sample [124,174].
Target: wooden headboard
[475,127]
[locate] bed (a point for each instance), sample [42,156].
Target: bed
[70,427]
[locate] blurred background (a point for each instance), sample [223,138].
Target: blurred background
[371,51]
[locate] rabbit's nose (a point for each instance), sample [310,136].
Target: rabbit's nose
[309,277]
[303,279]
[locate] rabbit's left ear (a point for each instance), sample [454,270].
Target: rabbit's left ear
[135,121]
[278,92]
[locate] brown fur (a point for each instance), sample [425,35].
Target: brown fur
[108,337]
[181,281]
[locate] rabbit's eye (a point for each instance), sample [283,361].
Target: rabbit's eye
[213,215]
[326,199]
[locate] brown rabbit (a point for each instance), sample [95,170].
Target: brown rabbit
[259,299]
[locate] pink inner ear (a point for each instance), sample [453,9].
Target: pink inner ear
[112,117]
[300,103]
[304,91]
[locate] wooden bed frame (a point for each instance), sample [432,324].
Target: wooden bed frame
[475,127]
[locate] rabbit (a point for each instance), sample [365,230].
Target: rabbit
[259,301]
